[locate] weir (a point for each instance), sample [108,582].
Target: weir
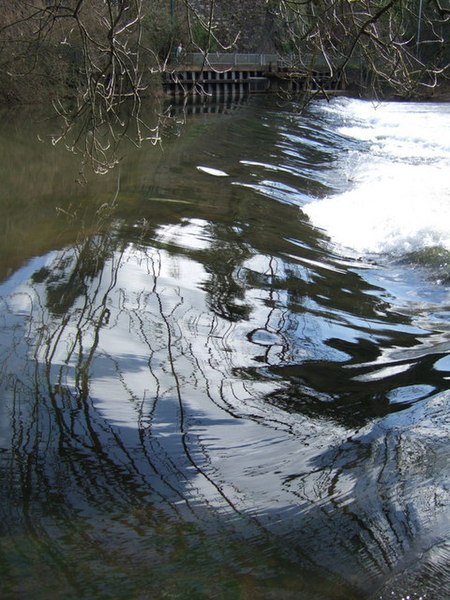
[220,74]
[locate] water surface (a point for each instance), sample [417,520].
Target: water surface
[225,364]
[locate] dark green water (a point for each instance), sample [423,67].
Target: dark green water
[221,375]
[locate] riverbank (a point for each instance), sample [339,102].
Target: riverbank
[49,52]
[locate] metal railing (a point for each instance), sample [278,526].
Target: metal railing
[228,59]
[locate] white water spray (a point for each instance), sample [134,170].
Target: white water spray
[398,199]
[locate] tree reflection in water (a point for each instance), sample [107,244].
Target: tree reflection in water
[186,417]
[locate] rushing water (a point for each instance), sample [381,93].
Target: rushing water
[224,366]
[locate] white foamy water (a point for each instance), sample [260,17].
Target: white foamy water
[398,199]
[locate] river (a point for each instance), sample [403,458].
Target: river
[224,365]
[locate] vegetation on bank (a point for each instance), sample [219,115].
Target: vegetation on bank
[90,57]
[58,49]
